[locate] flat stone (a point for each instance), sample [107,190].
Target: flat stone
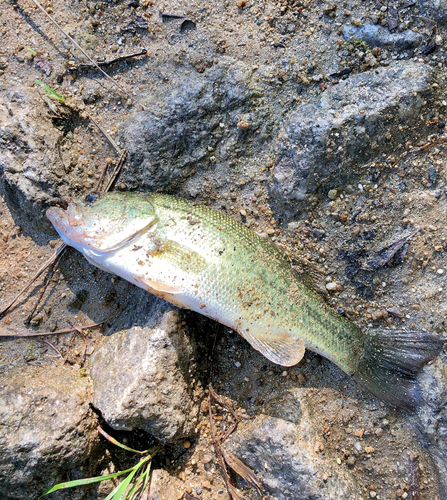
[30,167]
[183,129]
[377,36]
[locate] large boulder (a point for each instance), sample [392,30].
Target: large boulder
[284,447]
[47,431]
[324,141]
[144,376]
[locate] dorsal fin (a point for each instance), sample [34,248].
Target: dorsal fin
[311,275]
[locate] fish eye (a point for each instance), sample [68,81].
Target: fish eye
[91,198]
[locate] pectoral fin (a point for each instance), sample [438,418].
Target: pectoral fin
[185,258]
[159,286]
[282,349]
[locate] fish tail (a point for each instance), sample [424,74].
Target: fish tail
[391,361]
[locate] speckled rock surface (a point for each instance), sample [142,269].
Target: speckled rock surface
[30,166]
[143,376]
[205,121]
[377,36]
[359,119]
[283,446]
[47,430]
[433,415]
[435,9]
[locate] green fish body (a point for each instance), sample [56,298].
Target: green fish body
[198,258]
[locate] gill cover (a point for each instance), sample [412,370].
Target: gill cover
[105,225]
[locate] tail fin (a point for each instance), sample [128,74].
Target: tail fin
[391,360]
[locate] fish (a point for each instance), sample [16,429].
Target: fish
[200,259]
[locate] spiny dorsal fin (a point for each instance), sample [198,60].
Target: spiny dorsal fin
[311,275]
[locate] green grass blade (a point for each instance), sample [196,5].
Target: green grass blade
[89,480]
[147,476]
[117,443]
[135,487]
[121,490]
[112,493]
[51,91]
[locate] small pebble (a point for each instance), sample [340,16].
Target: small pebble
[237,364]
[332,286]
[332,194]
[186,444]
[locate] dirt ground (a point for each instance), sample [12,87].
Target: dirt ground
[397,198]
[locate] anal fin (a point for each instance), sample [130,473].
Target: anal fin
[280,348]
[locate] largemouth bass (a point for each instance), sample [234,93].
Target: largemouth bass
[200,259]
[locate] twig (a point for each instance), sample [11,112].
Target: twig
[53,268]
[41,269]
[106,135]
[427,146]
[68,329]
[68,348]
[52,347]
[415,479]
[107,63]
[216,445]
[80,48]
[116,171]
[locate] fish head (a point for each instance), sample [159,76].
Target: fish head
[105,223]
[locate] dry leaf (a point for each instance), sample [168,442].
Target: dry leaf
[243,470]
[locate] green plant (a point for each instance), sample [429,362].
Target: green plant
[51,91]
[135,485]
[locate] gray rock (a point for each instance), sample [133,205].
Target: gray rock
[196,121]
[433,415]
[285,450]
[30,167]
[142,376]
[435,9]
[47,431]
[353,122]
[377,36]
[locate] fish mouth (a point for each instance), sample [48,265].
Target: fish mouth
[67,222]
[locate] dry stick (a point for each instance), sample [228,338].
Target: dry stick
[63,330]
[52,347]
[80,48]
[41,269]
[427,146]
[108,63]
[217,446]
[106,135]
[116,171]
[53,269]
